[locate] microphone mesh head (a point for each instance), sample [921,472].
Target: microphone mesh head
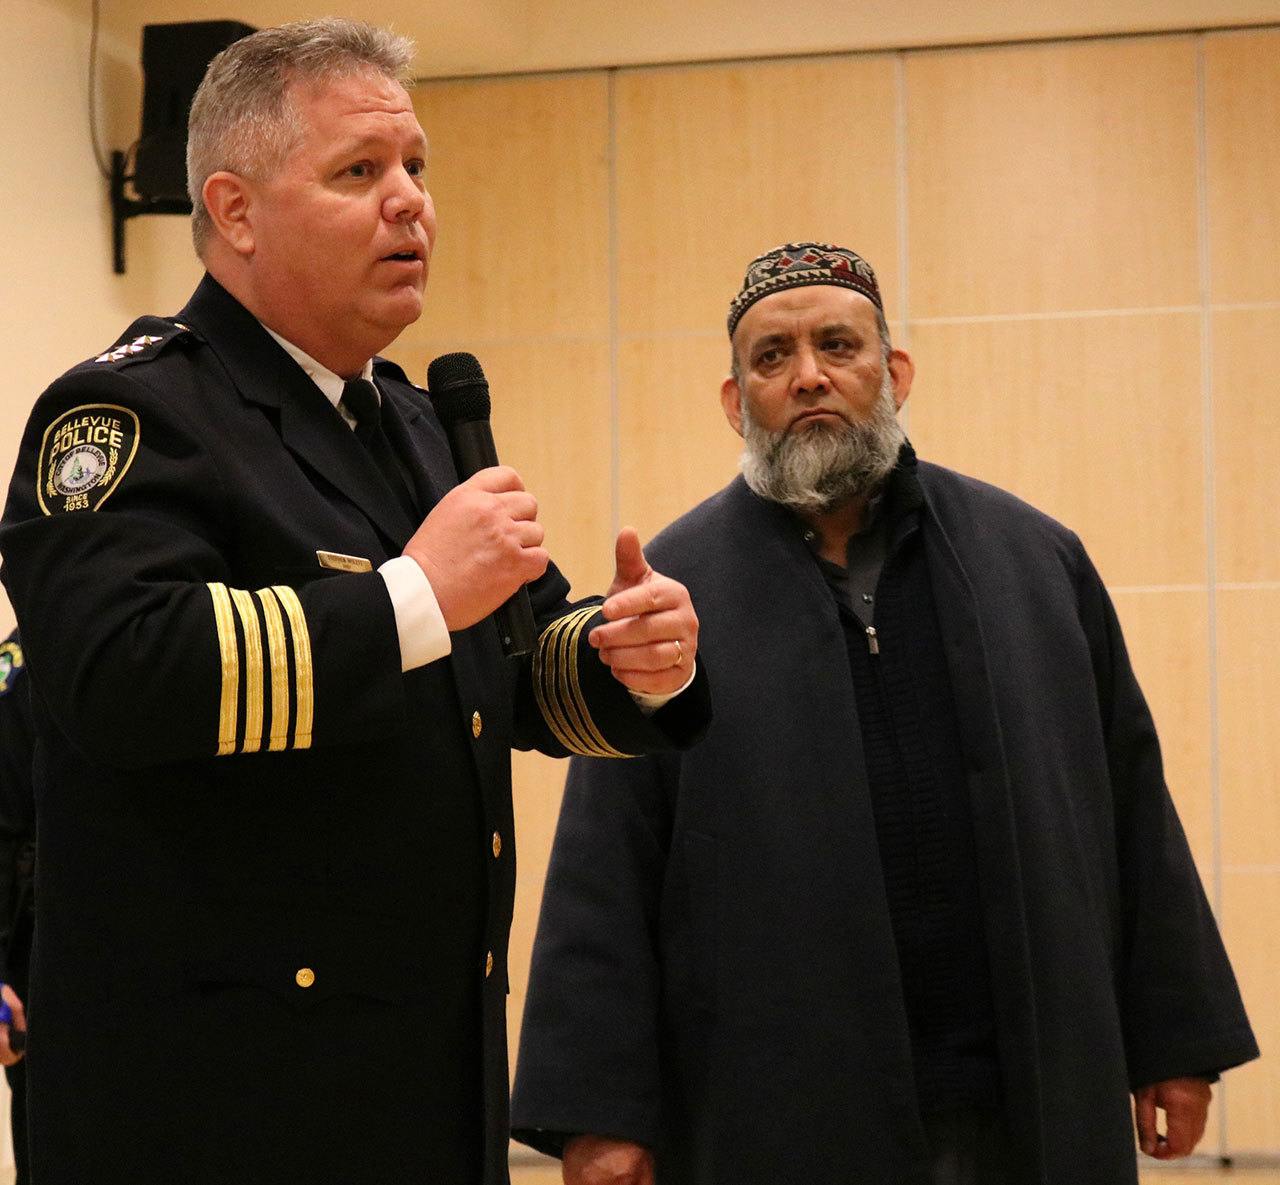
[459,390]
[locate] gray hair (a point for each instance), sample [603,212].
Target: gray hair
[823,467]
[886,346]
[241,119]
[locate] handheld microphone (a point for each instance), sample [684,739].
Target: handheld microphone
[460,394]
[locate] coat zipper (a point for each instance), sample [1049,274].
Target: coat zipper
[873,640]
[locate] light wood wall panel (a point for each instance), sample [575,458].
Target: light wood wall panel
[676,445]
[717,164]
[519,172]
[551,421]
[539,784]
[1246,430]
[1052,177]
[1097,421]
[1249,659]
[1242,114]
[523,927]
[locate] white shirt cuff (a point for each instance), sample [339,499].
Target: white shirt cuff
[649,704]
[424,637]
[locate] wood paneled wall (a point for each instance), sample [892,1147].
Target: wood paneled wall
[1080,244]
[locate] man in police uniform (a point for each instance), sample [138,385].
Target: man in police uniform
[273,717]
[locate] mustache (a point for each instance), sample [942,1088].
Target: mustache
[825,463]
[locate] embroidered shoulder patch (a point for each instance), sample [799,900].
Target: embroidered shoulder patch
[10,660]
[84,454]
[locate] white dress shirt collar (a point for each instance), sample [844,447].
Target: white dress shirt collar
[328,382]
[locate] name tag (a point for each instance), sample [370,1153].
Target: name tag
[343,563]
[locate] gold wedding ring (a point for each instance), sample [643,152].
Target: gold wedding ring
[679,662]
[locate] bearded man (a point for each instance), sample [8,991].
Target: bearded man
[919,909]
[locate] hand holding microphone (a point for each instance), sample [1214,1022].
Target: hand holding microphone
[482,542]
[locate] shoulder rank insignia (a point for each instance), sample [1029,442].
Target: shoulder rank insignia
[145,345]
[84,454]
[134,347]
[11,660]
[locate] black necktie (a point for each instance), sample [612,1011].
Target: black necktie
[361,400]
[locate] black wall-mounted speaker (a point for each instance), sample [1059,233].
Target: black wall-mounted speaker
[174,59]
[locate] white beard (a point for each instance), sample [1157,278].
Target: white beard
[824,465]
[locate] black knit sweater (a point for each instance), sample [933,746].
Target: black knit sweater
[916,774]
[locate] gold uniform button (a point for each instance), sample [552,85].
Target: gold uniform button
[488,965]
[497,845]
[305,977]
[477,724]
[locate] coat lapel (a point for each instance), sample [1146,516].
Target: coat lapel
[994,825]
[310,427]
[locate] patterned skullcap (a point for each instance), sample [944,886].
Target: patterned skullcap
[796,264]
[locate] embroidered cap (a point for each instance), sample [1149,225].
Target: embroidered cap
[796,264]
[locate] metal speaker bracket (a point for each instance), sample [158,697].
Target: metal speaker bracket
[124,207]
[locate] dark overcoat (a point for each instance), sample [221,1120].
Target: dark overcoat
[714,973]
[276,873]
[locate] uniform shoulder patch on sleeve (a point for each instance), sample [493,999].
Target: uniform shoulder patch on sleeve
[11,662]
[144,340]
[84,454]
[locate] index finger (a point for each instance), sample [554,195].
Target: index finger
[653,596]
[661,626]
[497,479]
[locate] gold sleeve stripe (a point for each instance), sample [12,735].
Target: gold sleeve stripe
[303,674]
[228,709]
[558,691]
[545,691]
[279,670]
[573,689]
[228,604]
[253,674]
[564,649]
[542,688]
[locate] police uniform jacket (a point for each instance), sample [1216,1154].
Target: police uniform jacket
[714,973]
[276,872]
[17,864]
[17,817]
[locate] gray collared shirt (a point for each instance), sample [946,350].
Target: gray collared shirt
[855,584]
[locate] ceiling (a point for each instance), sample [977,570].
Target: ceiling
[466,37]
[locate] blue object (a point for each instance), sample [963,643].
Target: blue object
[17,1037]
